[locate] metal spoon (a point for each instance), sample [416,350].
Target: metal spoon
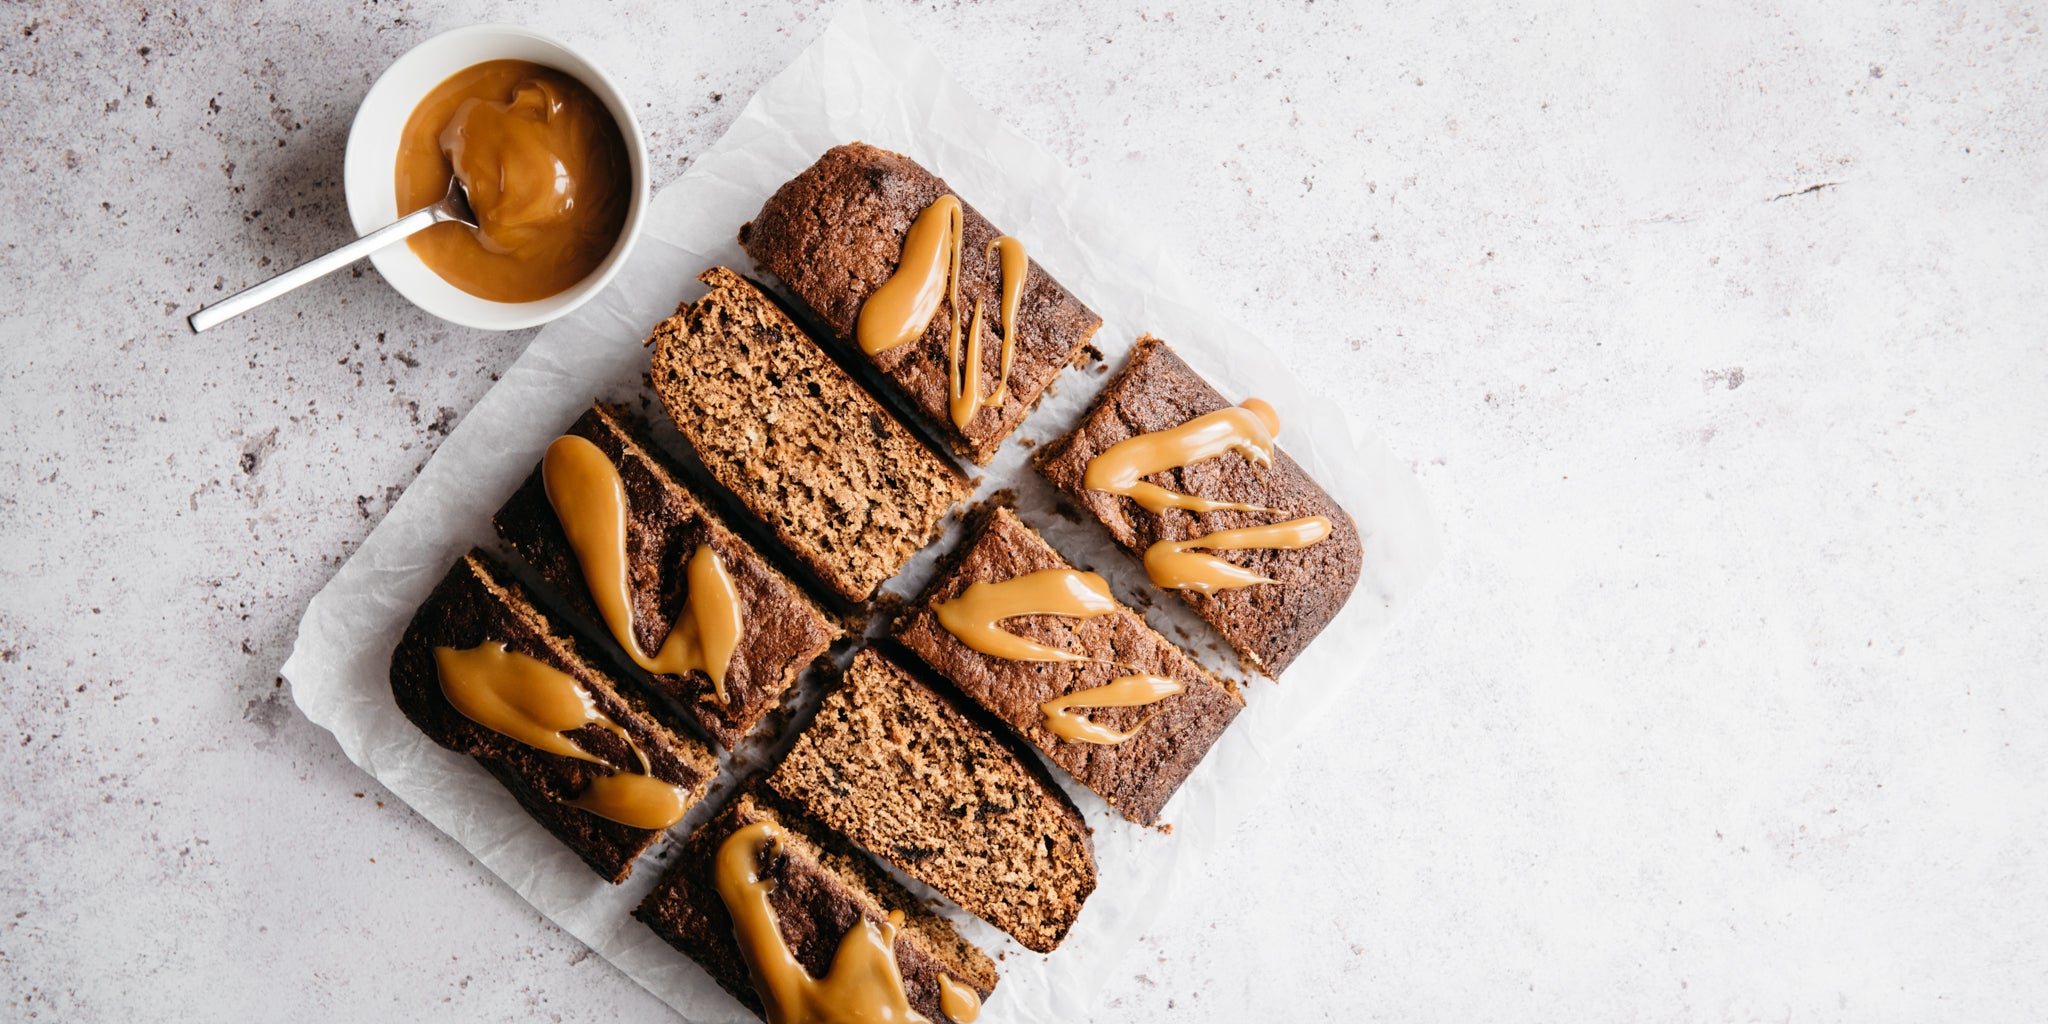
[453,206]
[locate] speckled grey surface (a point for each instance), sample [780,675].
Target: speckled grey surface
[1717,336]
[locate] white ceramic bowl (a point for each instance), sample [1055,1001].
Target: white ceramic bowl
[370,169]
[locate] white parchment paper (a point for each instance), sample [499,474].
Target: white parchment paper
[863,79]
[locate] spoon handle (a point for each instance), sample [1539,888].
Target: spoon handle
[320,266]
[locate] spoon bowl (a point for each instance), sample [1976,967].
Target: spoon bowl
[369,175]
[454,206]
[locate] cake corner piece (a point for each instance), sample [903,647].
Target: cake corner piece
[475,608]
[837,233]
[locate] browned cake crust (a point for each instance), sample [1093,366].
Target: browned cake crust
[843,485]
[823,887]
[474,604]
[835,232]
[1136,776]
[784,631]
[894,766]
[1269,624]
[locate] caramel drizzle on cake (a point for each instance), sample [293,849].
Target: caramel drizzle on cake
[864,984]
[1246,429]
[958,1002]
[976,617]
[535,704]
[1177,565]
[1122,692]
[902,308]
[589,498]
[966,392]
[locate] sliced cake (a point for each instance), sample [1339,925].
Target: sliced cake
[725,680]
[822,891]
[861,218]
[897,768]
[1194,487]
[1045,648]
[843,485]
[483,672]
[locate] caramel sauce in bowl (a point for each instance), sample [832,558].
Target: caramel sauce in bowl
[549,150]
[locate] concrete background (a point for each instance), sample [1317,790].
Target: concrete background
[1717,334]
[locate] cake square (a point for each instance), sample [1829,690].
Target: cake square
[823,889]
[837,232]
[782,631]
[1267,623]
[1139,754]
[894,766]
[847,489]
[476,608]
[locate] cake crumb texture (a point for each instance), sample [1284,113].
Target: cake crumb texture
[894,766]
[850,491]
